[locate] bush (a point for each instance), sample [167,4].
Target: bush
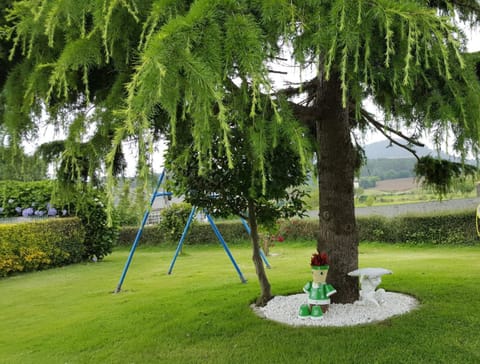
[173,220]
[451,228]
[376,228]
[151,235]
[39,245]
[100,238]
[17,196]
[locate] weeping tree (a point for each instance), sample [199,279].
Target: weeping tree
[148,66]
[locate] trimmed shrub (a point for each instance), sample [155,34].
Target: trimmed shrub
[232,232]
[296,229]
[151,235]
[377,228]
[457,229]
[40,245]
[199,233]
[88,204]
[449,228]
[452,228]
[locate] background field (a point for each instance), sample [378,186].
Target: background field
[397,185]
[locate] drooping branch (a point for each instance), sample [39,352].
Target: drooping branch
[440,174]
[382,128]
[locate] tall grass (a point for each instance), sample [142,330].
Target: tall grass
[201,314]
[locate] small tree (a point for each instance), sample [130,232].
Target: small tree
[260,198]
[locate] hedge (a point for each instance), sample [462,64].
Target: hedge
[448,228]
[27,198]
[38,245]
[232,232]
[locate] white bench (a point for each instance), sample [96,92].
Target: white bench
[370,278]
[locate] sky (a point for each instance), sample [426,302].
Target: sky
[473,39]
[47,132]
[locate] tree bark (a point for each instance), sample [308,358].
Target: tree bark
[265,291]
[336,163]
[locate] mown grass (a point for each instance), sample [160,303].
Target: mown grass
[201,314]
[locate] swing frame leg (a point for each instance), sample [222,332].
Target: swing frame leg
[182,238]
[139,234]
[225,247]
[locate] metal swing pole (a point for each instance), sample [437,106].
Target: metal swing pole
[224,244]
[140,230]
[182,238]
[262,254]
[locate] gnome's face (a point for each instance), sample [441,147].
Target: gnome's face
[319,275]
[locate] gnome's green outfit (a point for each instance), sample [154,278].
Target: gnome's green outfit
[318,293]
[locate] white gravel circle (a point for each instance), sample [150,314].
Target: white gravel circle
[284,309]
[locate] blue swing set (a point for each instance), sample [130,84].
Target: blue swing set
[219,236]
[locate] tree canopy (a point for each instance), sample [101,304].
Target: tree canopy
[68,55]
[127,69]
[406,56]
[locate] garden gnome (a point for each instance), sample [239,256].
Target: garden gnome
[318,290]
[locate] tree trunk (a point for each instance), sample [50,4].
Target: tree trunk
[265,292]
[337,159]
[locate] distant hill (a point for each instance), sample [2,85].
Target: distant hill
[386,150]
[387,161]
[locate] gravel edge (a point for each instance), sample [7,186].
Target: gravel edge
[284,309]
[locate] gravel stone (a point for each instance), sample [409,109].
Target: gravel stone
[284,309]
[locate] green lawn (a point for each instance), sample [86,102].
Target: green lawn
[201,314]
